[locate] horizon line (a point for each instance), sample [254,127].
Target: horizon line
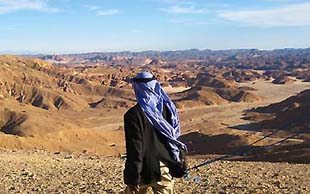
[29,53]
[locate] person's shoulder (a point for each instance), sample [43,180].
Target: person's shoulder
[132,111]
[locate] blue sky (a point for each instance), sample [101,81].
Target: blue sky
[70,26]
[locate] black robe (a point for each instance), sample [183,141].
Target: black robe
[145,148]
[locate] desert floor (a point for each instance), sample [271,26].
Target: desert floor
[43,172]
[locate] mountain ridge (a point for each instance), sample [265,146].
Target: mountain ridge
[155,53]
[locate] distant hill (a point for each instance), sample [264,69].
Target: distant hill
[199,96]
[290,114]
[193,53]
[239,58]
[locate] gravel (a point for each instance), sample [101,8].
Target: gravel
[43,172]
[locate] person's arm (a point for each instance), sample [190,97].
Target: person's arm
[134,150]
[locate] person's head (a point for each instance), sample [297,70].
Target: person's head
[143,77]
[144,83]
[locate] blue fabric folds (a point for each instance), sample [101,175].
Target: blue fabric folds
[151,97]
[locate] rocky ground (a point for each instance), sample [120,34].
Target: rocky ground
[43,172]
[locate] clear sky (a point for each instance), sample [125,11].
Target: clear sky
[70,26]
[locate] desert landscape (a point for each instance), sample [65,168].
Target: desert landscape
[238,73]
[61,119]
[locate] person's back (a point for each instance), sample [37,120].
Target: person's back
[149,156]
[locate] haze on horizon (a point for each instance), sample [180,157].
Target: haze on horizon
[67,26]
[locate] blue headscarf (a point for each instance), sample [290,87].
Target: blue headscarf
[151,97]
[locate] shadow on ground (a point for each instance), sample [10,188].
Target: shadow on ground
[297,153]
[201,144]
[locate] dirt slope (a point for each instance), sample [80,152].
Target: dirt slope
[46,107]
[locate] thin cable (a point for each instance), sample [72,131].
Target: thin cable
[209,161]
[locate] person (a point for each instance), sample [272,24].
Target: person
[152,127]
